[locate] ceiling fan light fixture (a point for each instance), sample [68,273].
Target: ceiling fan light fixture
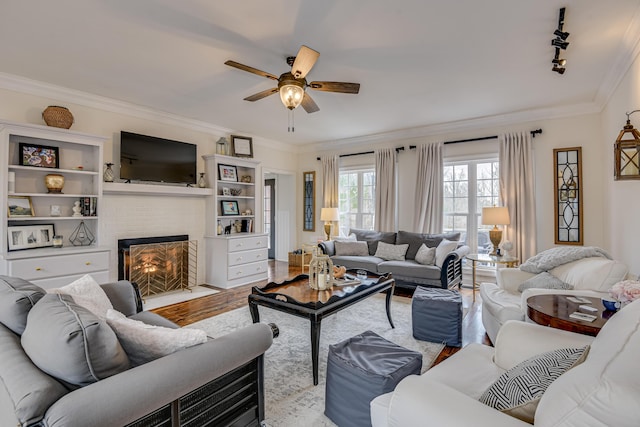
[291,90]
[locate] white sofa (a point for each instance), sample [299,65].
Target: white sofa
[602,391]
[501,301]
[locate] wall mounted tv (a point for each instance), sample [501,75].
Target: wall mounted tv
[147,158]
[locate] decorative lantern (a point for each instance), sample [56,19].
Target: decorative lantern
[321,272]
[626,152]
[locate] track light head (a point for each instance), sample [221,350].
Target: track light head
[562,34]
[558,69]
[560,62]
[559,43]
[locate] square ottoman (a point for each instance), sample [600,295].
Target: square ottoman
[436,315]
[360,369]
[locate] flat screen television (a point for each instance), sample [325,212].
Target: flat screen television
[147,158]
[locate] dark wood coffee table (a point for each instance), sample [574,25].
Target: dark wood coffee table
[554,310]
[294,296]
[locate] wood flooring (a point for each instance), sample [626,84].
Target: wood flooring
[188,312]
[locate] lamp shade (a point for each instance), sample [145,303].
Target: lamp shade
[329,214]
[496,215]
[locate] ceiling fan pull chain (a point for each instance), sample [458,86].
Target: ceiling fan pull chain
[291,127]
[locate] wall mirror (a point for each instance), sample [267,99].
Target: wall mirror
[309,201]
[568,196]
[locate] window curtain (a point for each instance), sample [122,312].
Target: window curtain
[330,176]
[517,192]
[429,196]
[385,213]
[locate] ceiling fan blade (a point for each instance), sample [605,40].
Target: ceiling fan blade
[309,104]
[305,60]
[258,96]
[251,69]
[341,87]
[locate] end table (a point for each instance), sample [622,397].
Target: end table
[491,259]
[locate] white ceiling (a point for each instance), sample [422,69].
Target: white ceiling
[419,62]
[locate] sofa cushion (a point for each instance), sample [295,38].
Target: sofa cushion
[517,392]
[373,237]
[543,280]
[502,305]
[409,268]
[70,343]
[351,248]
[415,240]
[391,252]
[369,263]
[144,343]
[17,297]
[425,255]
[87,293]
[444,248]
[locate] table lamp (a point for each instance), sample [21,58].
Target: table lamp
[496,215]
[328,215]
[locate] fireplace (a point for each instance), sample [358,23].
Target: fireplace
[158,264]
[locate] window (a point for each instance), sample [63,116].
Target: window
[357,191]
[469,186]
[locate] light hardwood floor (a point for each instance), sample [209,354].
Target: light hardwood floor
[188,312]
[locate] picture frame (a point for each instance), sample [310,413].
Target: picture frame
[30,236]
[40,156]
[229,207]
[227,173]
[19,207]
[226,191]
[241,146]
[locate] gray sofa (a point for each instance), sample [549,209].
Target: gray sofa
[407,273]
[218,382]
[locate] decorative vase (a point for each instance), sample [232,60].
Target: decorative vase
[321,272]
[57,116]
[202,183]
[54,182]
[108,172]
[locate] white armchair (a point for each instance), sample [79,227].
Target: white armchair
[602,391]
[502,301]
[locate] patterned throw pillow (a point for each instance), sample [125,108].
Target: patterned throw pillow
[391,252]
[544,280]
[426,255]
[518,391]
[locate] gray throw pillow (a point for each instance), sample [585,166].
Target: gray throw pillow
[351,248]
[544,280]
[70,343]
[391,252]
[415,240]
[518,391]
[17,297]
[425,255]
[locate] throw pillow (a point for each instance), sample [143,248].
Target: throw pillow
[70,343]
[144,343]
[391,252]
[544,280]
[518,391]
[87,293]
[17,297]
[425,255]
[351,248]
[443,249]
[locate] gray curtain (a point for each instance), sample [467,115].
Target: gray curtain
[517,189]
[385,213]
[429,197]
[330,176]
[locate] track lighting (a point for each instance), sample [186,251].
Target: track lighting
[558,69]
[559,64]
[562,34]
[559,43]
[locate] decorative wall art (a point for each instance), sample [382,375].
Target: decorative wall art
[30,236]
[41,156]
[241,146]
[568,196]
[309,201]
[19,206]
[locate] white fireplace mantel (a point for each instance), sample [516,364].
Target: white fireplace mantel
[121,188]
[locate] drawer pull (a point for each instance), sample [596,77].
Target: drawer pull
[38,269]
[87,263]
[238,273]
[239,259]
[258,243]
[239,245]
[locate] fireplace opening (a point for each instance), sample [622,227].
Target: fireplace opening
[158,264]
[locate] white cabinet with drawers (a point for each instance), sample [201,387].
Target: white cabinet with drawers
[235,260]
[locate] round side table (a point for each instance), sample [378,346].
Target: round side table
[491,259]
[554,310]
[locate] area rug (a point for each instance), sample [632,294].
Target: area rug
[291,399]
[167,298]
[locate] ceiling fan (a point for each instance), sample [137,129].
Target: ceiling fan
[292,84]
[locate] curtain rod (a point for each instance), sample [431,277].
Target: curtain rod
[398,149]
[482,138]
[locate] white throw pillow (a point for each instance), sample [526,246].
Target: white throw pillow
[350,238]
[426,255]
[443,249]
[390,252]
[144,343]
[87,293]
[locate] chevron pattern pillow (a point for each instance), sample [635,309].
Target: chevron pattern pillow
[518,391]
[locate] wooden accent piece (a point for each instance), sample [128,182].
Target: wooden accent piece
[554,311]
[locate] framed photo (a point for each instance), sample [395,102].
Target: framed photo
[30,236]
[241,146]
[226,191]
[227,173]
[229,207]
[41,156]
[19,206]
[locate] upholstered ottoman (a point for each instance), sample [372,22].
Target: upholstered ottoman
[360,369]
[436,315]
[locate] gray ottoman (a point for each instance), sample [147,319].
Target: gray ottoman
[436,315]
[360,369]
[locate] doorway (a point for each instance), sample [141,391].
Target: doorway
[269,215]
